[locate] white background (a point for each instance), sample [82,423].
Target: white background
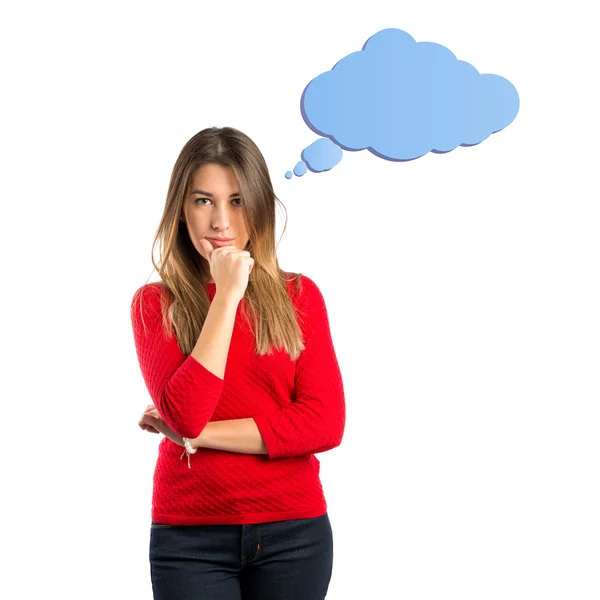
[467,333]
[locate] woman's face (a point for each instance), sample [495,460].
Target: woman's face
[213,208]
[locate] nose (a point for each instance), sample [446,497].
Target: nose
[220,220]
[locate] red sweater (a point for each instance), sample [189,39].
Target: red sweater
[298,406]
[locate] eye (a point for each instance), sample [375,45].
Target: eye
[199,200]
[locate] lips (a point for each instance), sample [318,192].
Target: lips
[219,242]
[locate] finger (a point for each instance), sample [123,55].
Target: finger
[146,427]
[207,247]
[145,422]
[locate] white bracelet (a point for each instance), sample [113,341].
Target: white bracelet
[188,450]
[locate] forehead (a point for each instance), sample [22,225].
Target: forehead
[214,176]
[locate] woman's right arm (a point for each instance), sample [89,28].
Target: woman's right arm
[212,347]
[184,389]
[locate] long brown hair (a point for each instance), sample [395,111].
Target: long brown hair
[184,271]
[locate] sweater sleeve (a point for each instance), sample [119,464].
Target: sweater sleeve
[314,422]
[184,392]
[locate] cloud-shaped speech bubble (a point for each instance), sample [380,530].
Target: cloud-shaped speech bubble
[401,99]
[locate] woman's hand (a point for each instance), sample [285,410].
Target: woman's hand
[152,421]
[144,425]
[229,267]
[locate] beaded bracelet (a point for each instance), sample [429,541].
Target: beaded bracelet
[188,450]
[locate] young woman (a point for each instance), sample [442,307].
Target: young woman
[239,362]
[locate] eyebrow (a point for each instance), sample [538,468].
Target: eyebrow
[209,194]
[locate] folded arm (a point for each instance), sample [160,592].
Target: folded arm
[315,420]
[184,391]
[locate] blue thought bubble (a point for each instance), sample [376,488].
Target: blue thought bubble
[300,169]
[401,99]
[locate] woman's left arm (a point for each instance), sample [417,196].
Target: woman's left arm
[234,435]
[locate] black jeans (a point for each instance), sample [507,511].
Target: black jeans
[282,560]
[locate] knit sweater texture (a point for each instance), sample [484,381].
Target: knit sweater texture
[298,406]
